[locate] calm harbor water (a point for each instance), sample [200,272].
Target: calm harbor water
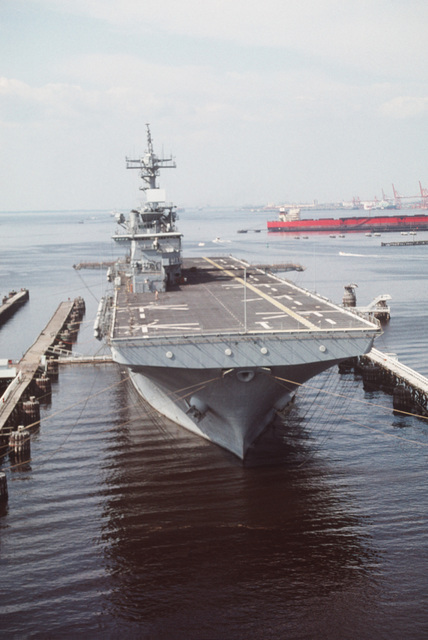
[124,524]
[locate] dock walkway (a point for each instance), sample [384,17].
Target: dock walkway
[11,303]
[405,373]
[409,388]
[30,362]
[404,243]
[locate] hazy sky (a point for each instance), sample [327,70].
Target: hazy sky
[259,101]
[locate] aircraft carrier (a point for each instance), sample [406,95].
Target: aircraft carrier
[215,344]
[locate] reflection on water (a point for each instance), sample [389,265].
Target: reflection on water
[127,523]
[200,546]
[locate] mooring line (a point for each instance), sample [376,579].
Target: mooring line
[364,402]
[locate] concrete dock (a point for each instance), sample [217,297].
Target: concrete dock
[401,371]
[408,387]
[11,303]
[29,365]
[93,265]
[404,243]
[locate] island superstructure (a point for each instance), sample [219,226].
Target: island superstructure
[215,344]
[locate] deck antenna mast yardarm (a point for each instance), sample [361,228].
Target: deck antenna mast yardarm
[150,165]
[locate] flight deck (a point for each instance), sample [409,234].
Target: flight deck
[222,295]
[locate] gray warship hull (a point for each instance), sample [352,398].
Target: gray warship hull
[233,413]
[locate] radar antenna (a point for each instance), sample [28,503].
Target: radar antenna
[150,165]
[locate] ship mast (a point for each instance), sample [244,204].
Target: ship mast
[150,165]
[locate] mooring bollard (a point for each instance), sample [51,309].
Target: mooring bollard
[73,328]
[43,388]
[52,368]
[402,398]
[371,376]
[31,411]
[346,366]
[20,444]
[65,337]
[79,306]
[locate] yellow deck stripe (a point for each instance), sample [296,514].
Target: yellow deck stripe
[276,303]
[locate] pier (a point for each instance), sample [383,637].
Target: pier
[11,303]
[93,265]
[35,370]
[404,243]
[382,370]
[278,267]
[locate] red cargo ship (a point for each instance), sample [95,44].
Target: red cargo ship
[372,224]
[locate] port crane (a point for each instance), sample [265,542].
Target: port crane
[395,202]
[398,198]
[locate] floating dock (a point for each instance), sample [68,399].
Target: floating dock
[11,303]
[33,370]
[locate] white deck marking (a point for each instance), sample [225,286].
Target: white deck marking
[169,307]
[181,326]
[279,315]
[330,321]
[273,301]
